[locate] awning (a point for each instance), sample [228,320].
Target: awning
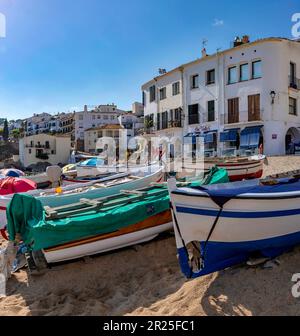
[209,137]
[229,135]
[250,137]
[191,138]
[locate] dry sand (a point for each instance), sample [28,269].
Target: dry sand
[146,280]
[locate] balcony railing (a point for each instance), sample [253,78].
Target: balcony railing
[294,83]
[242,117]
[175,123]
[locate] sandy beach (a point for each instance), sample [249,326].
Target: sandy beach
[146,280]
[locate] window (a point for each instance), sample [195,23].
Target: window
[158,121]
[211,110]
[175,118]
[152,93]
[292,106]
[94,117]
[254,107]
[293,82]
[256,70]
[105,117]
[29,151]
[164,120]
[233,110]
[193,114]
[232,75]
[47,144]
[244,72]
[144,98]
[162,93]
[210,77]
[176,88]
[195,82]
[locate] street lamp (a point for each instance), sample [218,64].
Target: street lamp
[273,95]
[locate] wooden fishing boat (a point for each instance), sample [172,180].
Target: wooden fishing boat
[238,168]
[219,226]
[94,226]
[134,179]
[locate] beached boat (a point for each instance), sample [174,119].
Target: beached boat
[136,178]
[94,226]
[238,168]
[219,226]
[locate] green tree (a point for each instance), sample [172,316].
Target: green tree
[16,133]
[5,131]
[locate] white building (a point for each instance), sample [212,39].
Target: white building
[241,98]
[92,135]
[44,148]
[38,123]
[94,118]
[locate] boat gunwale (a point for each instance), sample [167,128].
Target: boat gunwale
[250,196]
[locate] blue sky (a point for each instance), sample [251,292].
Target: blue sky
[61,54]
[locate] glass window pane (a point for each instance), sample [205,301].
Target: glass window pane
[244,73]
[232,75]
[256,69]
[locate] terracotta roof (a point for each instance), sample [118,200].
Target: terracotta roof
[104,127]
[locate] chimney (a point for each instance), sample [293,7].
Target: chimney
[245,39]
[85,108]
[204,53]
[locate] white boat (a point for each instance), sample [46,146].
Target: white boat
[135,178]
[238,168]
[222,225]
[89,227]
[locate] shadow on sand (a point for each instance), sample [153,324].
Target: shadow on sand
[254,291]
[112,284]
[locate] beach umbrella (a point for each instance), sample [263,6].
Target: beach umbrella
[12,185]
[12,172]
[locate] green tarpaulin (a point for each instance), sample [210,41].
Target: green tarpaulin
[26,216]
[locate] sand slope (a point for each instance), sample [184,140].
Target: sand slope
[146,280]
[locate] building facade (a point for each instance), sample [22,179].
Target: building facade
[44,148]
[239,100]
[92,135]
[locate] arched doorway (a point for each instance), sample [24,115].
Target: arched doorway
[291,139]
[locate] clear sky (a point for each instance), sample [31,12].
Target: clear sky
[61,54]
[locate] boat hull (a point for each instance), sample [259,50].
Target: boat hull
[134,234]
[268,224]
[238,169]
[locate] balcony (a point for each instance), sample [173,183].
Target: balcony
[42,156]
[294,83]
[175,124]
[242,117]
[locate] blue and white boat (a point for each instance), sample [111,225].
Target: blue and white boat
[219,226]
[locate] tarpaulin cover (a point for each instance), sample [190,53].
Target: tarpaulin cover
[12,185]
[26,216]
[222,193]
